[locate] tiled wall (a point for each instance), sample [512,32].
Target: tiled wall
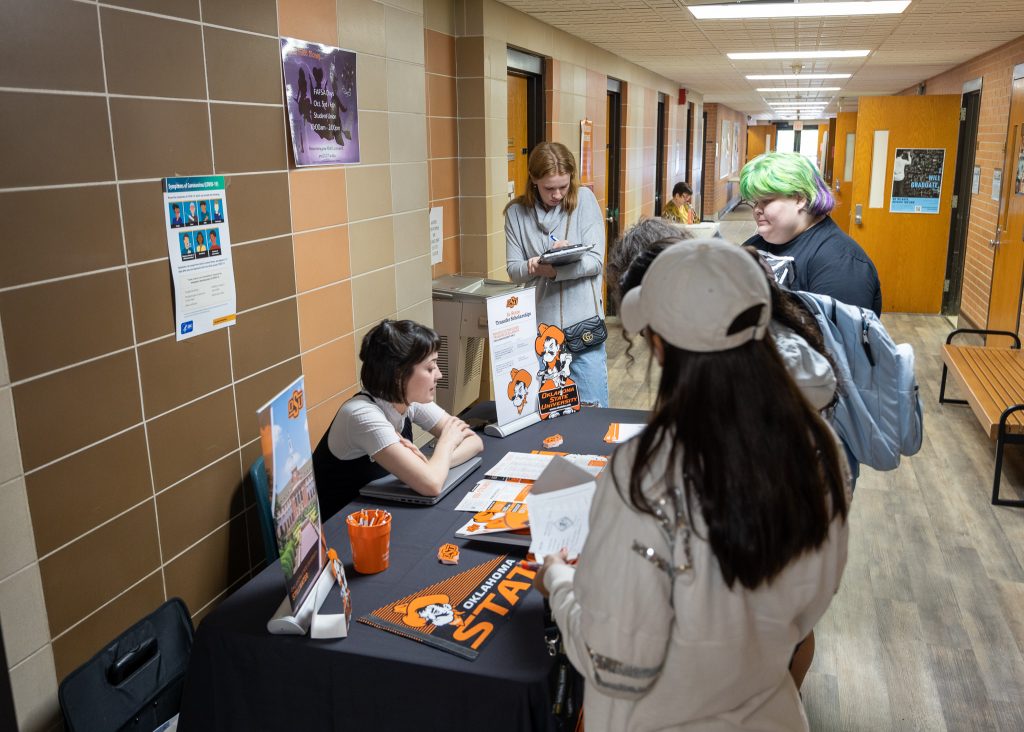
[995,69]
[719,192]
[123,451]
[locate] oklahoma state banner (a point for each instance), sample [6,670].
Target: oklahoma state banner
[460,614]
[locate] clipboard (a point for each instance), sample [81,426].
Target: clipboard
[565,255]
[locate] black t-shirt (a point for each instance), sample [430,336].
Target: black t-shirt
[828,262]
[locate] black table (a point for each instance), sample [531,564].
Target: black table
[242,678]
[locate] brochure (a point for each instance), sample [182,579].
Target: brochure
[560,506]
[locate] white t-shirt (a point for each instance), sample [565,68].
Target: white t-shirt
[366,425]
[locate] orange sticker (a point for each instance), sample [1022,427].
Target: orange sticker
[553,441]
[448,554]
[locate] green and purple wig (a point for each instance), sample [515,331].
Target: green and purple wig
[786,174]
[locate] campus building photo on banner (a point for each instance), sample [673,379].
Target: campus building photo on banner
[320,91]
[917,180]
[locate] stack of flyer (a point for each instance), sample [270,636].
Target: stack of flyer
[499,502]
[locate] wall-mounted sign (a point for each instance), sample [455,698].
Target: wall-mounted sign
[320,91]
[917,180]
[586,151]
[997,183]
[436,235]
[976,180]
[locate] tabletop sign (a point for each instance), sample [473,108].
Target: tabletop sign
[511,329]
[462,613]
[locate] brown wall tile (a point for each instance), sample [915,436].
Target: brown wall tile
[441,96]
[174,372]
[178,8]
[325,314]
[84,575]
[257,552]
[211,566]
[264,337]
[310,20]
[320,416]
[72,496]
[83,641]
[156,139]
[242,67]
[73,130]
[198,505]
[444,178]
[248,138]
[64,322]
[329,369]
[142,213]
[254,15]
[264,272]
[152,306]
[258,206]
[70,409]
[58,232]
[444,138]
[254,392]
[137,50]
[321,257]
[318,198]
[439,51]
[51,44]
[183,441]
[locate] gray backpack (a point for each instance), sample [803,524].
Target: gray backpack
[878,414]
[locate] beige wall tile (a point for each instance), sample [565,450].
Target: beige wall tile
[372,245]
[409,187]
[23,614]
[330,369]
[321,257]
[413,6]
[495,58]
[438,15]
[325,314]
[34,684]
[407,87]
[408,133]
[361,26]
[17,546]
[474,254]
[412,282]
[373,138]
[318,197]
[412,235]
[404,38]
[10,455]
[421,312]
[372,78]
[369,192]
[310,20]
[373,298]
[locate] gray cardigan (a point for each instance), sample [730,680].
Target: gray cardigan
[571,296]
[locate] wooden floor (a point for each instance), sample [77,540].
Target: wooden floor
[927,630]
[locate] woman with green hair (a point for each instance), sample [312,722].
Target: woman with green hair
[791,204]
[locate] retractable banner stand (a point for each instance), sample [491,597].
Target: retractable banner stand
[511,332]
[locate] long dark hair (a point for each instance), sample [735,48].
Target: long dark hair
[390,352]
[750,454]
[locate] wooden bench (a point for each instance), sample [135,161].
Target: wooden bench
[994,380]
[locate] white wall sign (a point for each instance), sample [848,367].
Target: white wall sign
[436,235]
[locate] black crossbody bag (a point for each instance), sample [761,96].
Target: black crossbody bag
[586,333]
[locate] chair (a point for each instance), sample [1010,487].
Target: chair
[136,681]
[261,491]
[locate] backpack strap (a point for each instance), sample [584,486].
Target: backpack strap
[864,326]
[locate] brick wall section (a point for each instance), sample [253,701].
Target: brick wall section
[719,193]
[995,68]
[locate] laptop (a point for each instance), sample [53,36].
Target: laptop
[390,488]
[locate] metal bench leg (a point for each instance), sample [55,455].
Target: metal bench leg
[942,390]
[1002,439]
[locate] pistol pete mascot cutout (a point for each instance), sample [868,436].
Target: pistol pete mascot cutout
[433,609]
[555,361]
[518,387]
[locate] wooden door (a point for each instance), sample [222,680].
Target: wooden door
[518,134]
[1004,304]
[909,249]
[842,167]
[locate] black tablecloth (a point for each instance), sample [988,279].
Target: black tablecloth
[242,678]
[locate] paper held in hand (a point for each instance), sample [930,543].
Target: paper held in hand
[559,508]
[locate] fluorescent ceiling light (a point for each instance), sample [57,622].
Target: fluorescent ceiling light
[755,77]
[798,103]
[797,89]
[784,55]
[744,11]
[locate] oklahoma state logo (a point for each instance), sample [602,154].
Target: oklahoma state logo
[512,302]
[295,404]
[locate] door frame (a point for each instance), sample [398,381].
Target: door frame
[614,151]
[659,153]
[531,67]
[966,150]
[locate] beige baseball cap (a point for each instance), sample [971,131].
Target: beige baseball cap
[694,291]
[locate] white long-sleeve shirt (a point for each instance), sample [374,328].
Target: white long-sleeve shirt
[683,652]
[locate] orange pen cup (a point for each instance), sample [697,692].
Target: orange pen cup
[369,532]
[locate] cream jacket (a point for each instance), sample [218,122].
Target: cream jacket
[663,649]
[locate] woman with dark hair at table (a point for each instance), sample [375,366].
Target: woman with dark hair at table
[371,435]
[718,535]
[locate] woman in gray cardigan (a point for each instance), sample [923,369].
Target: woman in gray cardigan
[555,211]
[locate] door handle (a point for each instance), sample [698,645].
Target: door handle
[610,219]
[858,214]
[995,242]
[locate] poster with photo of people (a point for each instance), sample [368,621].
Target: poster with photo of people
[199,249]
[320,91]
[917,180]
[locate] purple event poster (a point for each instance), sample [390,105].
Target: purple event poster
[320,88]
